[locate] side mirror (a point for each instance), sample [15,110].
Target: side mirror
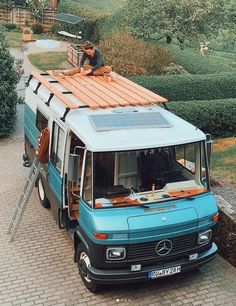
[209,143]
[74,168]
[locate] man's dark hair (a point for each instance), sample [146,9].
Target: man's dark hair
[88,45]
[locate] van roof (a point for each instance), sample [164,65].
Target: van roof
[105,127]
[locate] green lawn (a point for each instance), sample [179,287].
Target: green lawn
[223,163]
[48,60]
[101,5]
[14,38]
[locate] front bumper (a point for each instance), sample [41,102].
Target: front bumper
[103,276]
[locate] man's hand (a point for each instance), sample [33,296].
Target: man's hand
[85,72]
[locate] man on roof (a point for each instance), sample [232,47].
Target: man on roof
[96,63]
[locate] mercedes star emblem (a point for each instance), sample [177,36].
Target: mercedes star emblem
[164,247]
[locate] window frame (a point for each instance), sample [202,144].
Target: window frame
[53,162]
[39,111]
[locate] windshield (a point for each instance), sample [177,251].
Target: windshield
[146,176]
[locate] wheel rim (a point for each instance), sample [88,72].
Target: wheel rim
[41,190]
[84,263]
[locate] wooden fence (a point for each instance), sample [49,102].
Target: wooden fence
[21,16]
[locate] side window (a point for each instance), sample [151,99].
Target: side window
[41,120]
[57,149]
[186,156]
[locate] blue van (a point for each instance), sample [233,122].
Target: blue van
[128,179]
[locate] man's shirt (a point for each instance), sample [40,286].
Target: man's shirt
[95,61]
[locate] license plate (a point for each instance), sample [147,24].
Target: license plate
[164,272]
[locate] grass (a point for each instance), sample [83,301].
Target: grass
[48,60]
[14,38]
[223,163]
[100,5]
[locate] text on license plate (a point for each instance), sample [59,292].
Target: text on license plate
[164,272]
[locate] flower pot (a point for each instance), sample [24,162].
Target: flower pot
[27,37]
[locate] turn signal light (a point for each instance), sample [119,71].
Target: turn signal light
[215,217]
[100,236]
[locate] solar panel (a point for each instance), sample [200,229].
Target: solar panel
[69,18]
[128,121]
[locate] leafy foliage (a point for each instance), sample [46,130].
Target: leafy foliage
[174,18]
[8,82]
[37,7]
[191,87]
[131,56]
[217,117]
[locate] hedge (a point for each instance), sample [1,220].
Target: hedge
[191,87]
[196,63]
[217,117]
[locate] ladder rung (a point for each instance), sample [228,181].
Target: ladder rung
[25,195]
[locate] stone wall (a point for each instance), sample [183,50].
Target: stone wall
[226,230]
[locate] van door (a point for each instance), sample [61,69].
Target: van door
[56,160]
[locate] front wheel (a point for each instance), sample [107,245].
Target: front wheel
[83,261]
[42,195]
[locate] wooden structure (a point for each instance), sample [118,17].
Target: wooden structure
[74,53]
[101,94]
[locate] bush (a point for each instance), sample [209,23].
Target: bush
[27,31]
[132,56]
[10,26]
[8,95]
[174,69]
[217,117]
[37,28]
[196,63]
[191,87]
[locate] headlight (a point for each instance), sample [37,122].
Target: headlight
[204,237]
[115,253]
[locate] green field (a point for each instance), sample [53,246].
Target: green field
[101,5]
[196,63]
[223,164]
[48,60]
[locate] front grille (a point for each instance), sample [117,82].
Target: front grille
[146,251]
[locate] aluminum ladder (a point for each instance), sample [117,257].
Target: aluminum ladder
[24,198]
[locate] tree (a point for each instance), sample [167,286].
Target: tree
[37,7]
[8,83]
[174,18]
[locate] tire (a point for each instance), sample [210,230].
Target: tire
[42,195]
[83,262]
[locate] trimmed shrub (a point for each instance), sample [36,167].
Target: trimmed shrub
[191,87]
[131,56]
[217,117]
[10,26]
[196,63]
[8,95]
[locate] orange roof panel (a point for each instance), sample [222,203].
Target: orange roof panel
[98,92]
